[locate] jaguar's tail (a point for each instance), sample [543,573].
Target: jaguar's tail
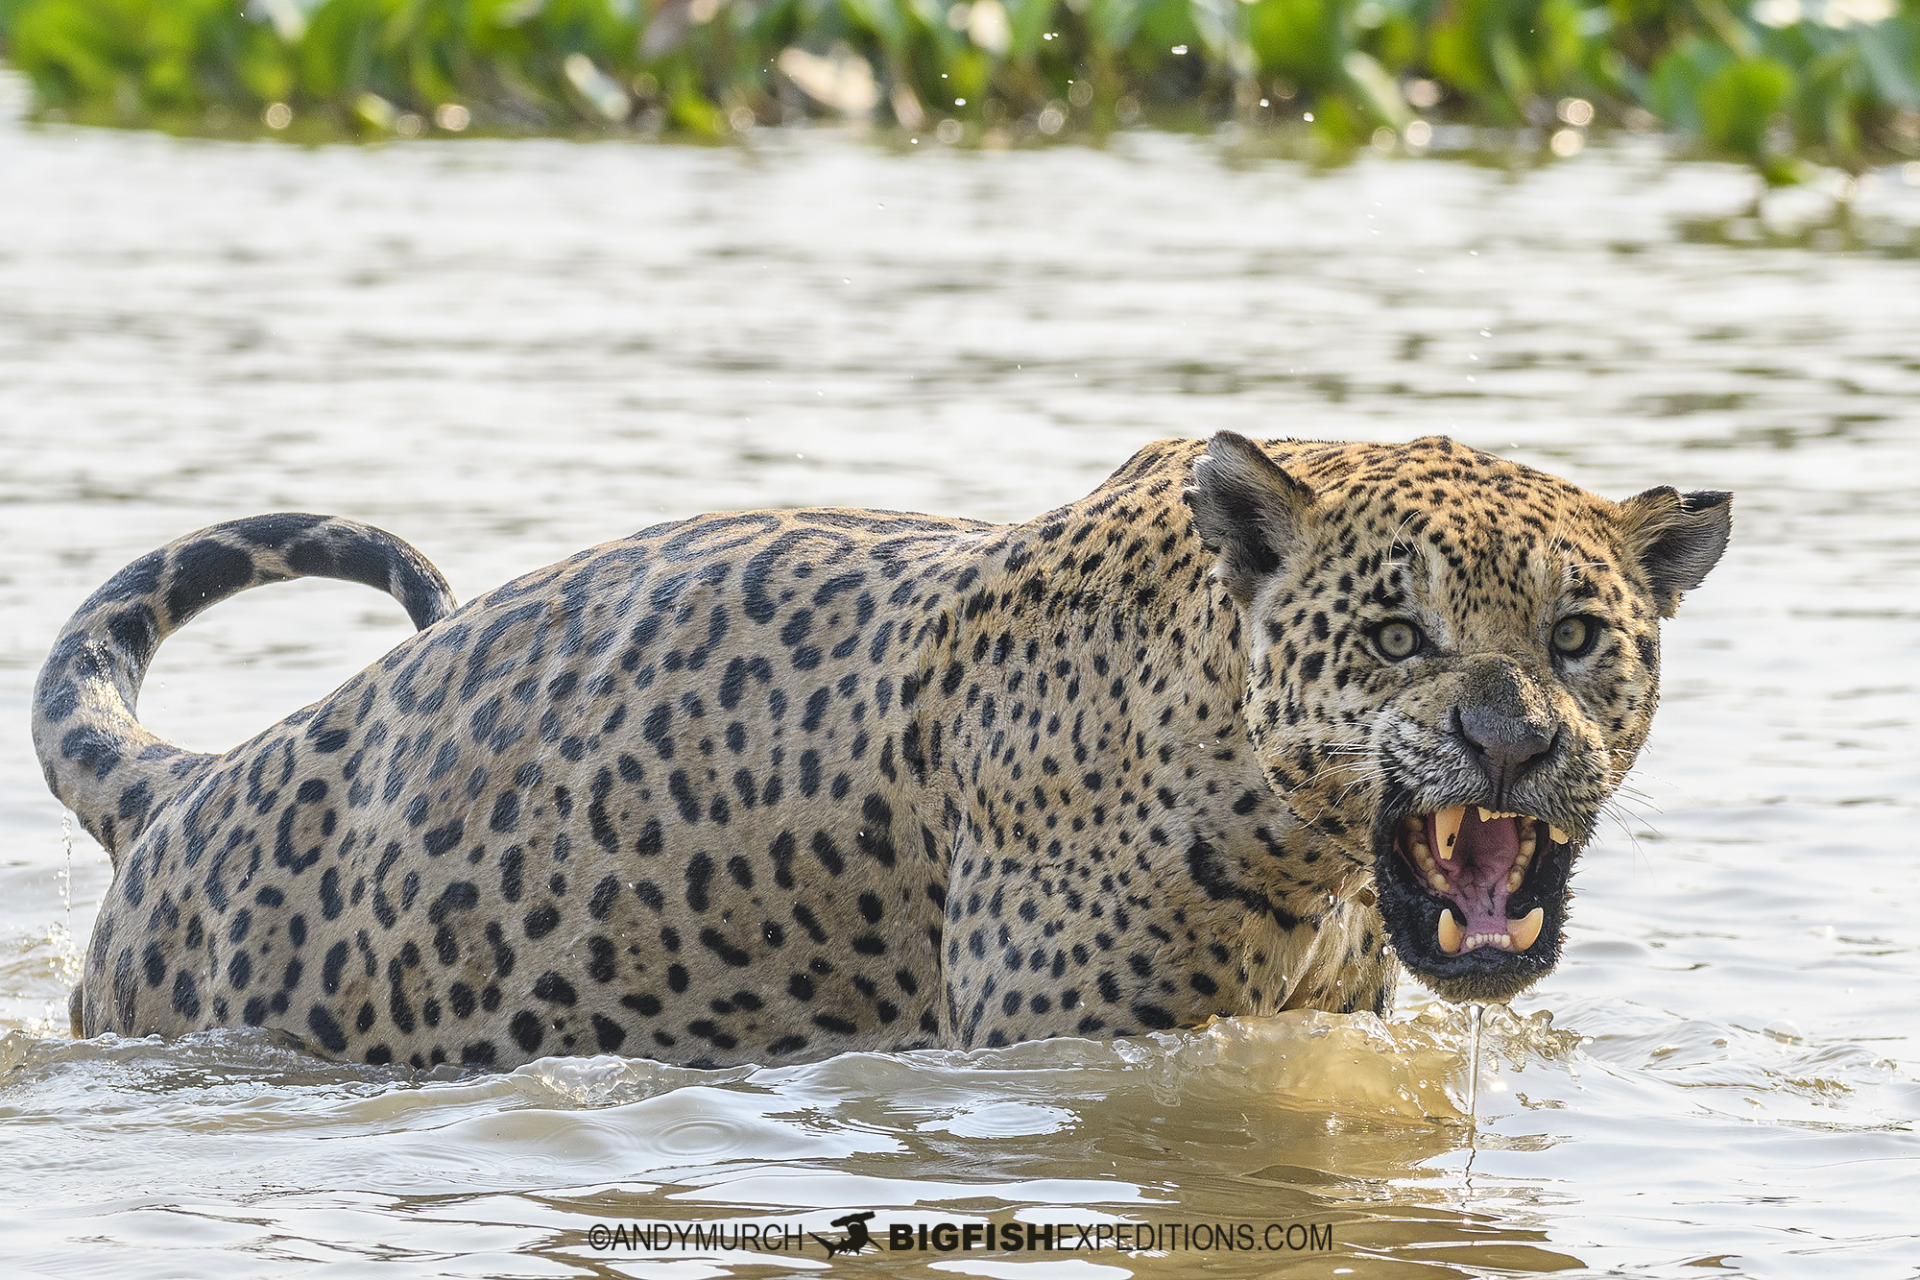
[97,758]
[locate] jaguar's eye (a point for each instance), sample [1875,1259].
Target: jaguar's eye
[1573,637]
[1398,639]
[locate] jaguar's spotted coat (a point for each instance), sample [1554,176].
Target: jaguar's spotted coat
[769,786]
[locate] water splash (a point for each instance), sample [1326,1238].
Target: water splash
[55,955]
[66,879]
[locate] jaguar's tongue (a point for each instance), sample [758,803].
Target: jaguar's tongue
[1479,856]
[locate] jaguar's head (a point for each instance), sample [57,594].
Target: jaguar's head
[1453,662]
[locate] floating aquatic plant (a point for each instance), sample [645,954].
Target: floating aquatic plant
[1776,84]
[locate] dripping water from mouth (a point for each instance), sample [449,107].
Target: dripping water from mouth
[1478,1014]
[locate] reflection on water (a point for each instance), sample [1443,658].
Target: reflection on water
[508,351]
[1305,1118]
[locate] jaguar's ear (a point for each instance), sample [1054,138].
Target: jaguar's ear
[1247,509]
[1675,538]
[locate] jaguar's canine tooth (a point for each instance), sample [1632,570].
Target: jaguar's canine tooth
[1526,930]
[1446,829]
[1451,935]
[1556,835]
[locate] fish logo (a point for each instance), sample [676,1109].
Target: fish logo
[856,1239]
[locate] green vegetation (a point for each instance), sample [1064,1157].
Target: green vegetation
[1775,83]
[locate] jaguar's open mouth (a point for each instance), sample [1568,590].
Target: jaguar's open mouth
[1474,897]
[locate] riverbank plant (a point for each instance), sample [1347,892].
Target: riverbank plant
[1775,83]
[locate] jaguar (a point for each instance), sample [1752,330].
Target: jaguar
[1249,728]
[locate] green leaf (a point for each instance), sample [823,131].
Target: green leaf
[1300,40]
[1029,20]
[1739,103]
[1378,90]
[1679,82]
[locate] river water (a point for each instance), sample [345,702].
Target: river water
[505,351]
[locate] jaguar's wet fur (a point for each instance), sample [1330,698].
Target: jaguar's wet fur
[768,786]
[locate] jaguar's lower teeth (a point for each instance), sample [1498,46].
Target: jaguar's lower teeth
[1520,935]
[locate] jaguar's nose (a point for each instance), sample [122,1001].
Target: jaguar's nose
[1504,721]
[1506,745]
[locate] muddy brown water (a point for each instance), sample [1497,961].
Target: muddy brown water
[505,351]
